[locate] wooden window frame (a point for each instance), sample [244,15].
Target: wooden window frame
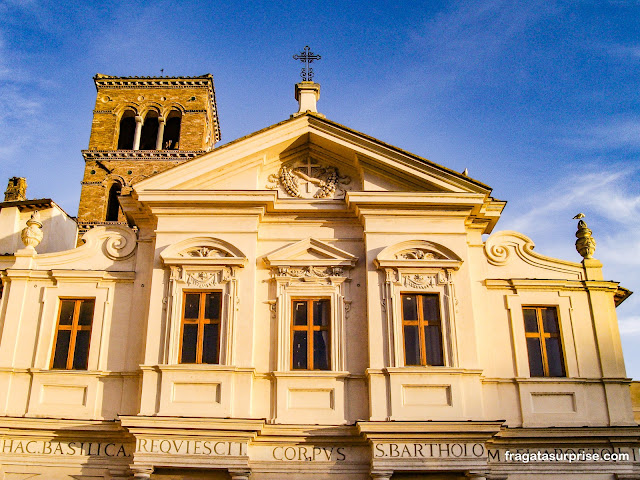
[201,322]
[310,328]
[542,336]
[421,323]
[74,328]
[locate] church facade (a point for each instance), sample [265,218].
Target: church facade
[305,302]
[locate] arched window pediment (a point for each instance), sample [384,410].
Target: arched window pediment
[418,253]
[203,251]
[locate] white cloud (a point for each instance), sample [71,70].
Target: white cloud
[602,191]
[623,51]
[629,325]
[471,31]
[446,51]
[614,133]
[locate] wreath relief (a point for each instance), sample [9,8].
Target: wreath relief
[308,180]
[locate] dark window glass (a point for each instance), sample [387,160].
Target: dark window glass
[192,305]
[535,357]
[299,350]
[321,350]
[299,313]
[81,355]
[433,345]
[62,349]
[550,320]
[411,345]
[210,343]
[212,306]
[410,307]
[321,313]
[189,342]
[554,357]
[431,308]
[86,312]
[67,308]
[530,320]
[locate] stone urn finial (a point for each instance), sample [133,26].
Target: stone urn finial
[586,244]
[32,233]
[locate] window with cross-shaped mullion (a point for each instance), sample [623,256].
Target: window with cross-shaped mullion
[544,343]
[200,335]
[310,334]
[422,330]
[73,334]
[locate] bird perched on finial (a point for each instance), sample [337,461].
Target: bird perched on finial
[579,216]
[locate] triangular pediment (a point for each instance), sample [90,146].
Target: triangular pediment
[310,252]
[323,160]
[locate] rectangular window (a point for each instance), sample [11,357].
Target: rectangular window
[73,334]
[200,330]
[544,345]
[422,330]
[310,348]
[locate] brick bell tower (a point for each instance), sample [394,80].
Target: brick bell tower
[142,126]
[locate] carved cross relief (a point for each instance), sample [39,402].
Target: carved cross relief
[309,179]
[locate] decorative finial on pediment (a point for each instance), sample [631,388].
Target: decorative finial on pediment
[307,92]
[32,234]
[586,244]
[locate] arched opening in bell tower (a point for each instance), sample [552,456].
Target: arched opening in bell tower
[113,206]
[171,139]
[149,135]
[127,130]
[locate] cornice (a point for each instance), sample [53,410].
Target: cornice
[93,155]
[569,434]
[236,427]
[430,429]
[107,81]
[57,425]
[549,284]
[415,199]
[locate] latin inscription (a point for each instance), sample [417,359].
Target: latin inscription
[429,450]
[309,454]
[215,448]
[46,447]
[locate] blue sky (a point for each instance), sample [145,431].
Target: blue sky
[538,99]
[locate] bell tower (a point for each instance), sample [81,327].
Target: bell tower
[142,126]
